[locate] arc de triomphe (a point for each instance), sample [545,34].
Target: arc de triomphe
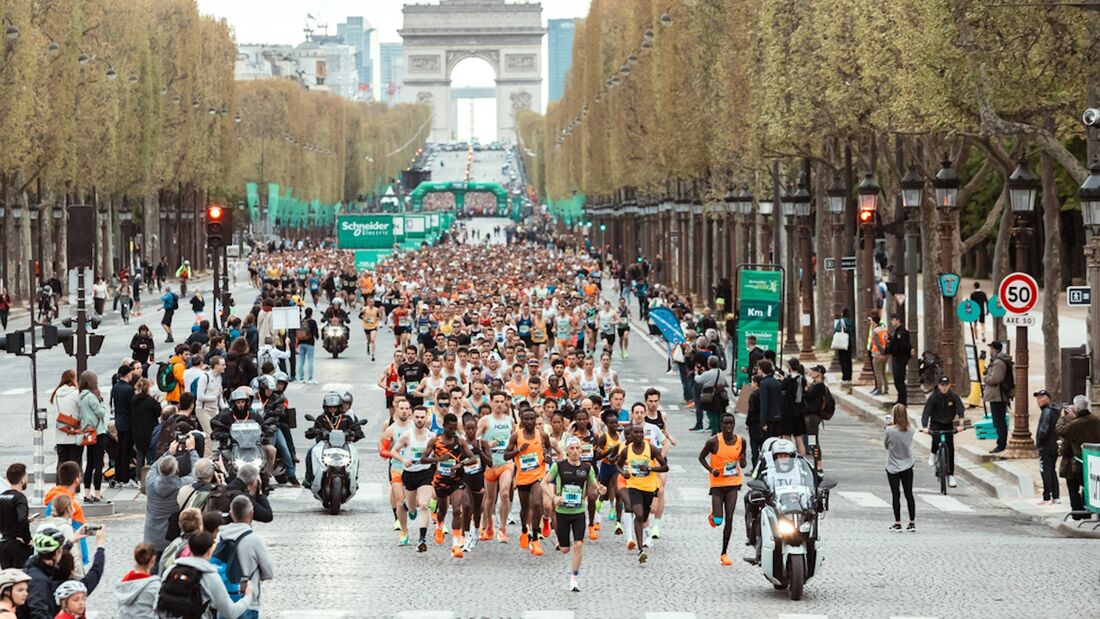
[439,36]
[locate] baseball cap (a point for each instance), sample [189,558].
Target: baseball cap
[945,380]
[1040,392]
[820,369]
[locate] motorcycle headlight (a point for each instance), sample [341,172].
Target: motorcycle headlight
[804,527]
[786,527]
[239,462]
[335,459]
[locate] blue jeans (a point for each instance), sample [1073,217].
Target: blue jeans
[284,452]
[305,359]
[687,381]
[999,410]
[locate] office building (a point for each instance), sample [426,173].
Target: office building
[559,53]
[391,71]
[357,32]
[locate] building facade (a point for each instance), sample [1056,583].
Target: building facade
[559,55]
[391,71]
[358,32]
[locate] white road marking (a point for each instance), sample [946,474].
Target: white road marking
[864,499]
[694,495]
[314,614]
[946,503]
[338,387]
[16,391]
[801,616]
[548,614]
[670,616]
[425,614]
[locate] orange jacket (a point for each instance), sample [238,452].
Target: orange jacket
[178,367]
[56,491]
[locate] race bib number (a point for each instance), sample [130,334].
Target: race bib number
[524,329]
[528,462]
[446,468]
[731,469]
[571,496]
[423,329]
[403,323]
[587,452]
[412,385]
[639,469]
[498,446]
[472,469]
[417,454]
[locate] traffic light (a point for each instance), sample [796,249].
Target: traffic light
[13,342]
[866,216]
[215,223]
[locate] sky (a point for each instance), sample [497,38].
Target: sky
[283,21]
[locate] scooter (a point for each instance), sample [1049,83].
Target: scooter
[789,541]
[337,466]
[245,440]
[335,337]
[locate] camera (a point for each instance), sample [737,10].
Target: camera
[182,437]
[1091,117]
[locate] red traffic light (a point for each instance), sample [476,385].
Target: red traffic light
[866,216]
[214,213]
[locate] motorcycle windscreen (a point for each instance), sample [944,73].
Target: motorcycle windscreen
[792,483]
[245,433]
[336,438]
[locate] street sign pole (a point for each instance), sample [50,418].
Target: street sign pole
[1018,292]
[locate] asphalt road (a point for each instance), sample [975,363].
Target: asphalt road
[971,556]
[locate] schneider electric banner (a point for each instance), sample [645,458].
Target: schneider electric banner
[365,232]
[758,314]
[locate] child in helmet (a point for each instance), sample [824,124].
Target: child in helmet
[72,598]
[13,591]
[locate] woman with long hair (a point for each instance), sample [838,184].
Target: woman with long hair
[93,415]
[899,465]
[63,402]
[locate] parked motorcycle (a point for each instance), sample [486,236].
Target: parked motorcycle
[789,541]
[335,337]
[338,469]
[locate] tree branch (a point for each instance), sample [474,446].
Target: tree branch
[992,218]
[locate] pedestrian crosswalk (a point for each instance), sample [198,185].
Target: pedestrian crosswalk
[529,614]
[938,502]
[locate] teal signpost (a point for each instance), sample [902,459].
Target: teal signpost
[759,297]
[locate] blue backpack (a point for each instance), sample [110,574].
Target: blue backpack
[226,561]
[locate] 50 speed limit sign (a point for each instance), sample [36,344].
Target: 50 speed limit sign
[1018,293]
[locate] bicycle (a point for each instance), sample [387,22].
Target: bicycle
[941,464]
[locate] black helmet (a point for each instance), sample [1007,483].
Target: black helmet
[347,398]
[266,382]
[331,399]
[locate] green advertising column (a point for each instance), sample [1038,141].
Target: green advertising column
[365,232]
[760,293]
[1090,464]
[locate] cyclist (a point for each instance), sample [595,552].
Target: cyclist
[942,412]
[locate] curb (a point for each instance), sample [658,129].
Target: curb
[998,478]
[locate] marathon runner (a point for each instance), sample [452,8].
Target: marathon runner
[724,458]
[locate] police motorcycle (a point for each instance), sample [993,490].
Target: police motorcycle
[789,500]
[240,431]
[334,460]
[334,335]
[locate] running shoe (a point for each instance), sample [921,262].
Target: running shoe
[655,531]
[725,560]
[596,525]
[403,540]
[647,538]
[911,528]
[631,545]
[488,532]
[536,548]
[710,519]
[422,547]
[895,528]
[573,584]
[456,552]
[545,526]
[592,534]
[485,534]
[642,556]
[502,537]
[618,528]
[396,524]
[412,515]
[438,536]
[524,540]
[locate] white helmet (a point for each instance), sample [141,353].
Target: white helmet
[11,577]
[68,589]
[784,446]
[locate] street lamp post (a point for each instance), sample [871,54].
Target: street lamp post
[869,191]
[1089,194]
[1023,193]
[790,344]
[733,207]
[104,262]
[838,202]
[912,196]
[766,207]
[125,215]
[946,186]
[801,205]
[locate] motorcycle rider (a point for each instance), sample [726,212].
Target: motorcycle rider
[274,413]
[240,409]
[282,381]
[778,453]
[333,417]
[336,311]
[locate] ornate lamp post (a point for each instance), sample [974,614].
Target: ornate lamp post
[766,207]
[869,191]
[946,186]
[733,207]
[745,201]
[912,196]
[801,205]
[1089,194]
[790,323]
[838,202]
[1023,193]
[125,216]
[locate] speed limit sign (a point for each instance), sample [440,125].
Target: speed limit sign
[1018,293]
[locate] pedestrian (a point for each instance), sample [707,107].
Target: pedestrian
[61,516]
[137,593]
[198,305]
[175,600]
[136,291]
[770,414]
[239,541]
[66,411]
[124,301]
[713,396]
[189,522]
[200,333]
[162,485]
[93,426]
[879,338]
[942,411]
[982,300]
[248,483]
[122,398]
[900,349]
[99,296]
[792,404]
[1077,426]
[899,465]
[1046,442]
[50,569]
[845,344]
[15,528]
[307,339]
[753,421]
[169,303]
[820,407]
[68,484]
[179,363]
[997,392]
[5,307]
[160,272]
[144,416]
[14,585]
[72,600]
[142,345]
[208,394]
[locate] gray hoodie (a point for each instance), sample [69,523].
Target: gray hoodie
[255,560]
[137,599]
[161,492]
[213,590]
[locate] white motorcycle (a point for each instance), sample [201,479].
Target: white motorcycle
[335,337]
[336,466]
[789,541]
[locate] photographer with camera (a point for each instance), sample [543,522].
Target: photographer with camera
[162,486]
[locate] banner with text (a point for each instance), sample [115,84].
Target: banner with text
[365,231]
[760,293]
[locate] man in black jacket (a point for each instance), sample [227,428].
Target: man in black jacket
[247,483]
[122,395]
[1046,440]
[770,416]
[900,350]
[941,412]
[15,545]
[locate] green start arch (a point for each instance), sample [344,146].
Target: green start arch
[460,189]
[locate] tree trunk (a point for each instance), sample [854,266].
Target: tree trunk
[151,227]
[1002,262]
[1052,277]
[823,244]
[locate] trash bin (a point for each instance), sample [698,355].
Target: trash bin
[1075,372]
